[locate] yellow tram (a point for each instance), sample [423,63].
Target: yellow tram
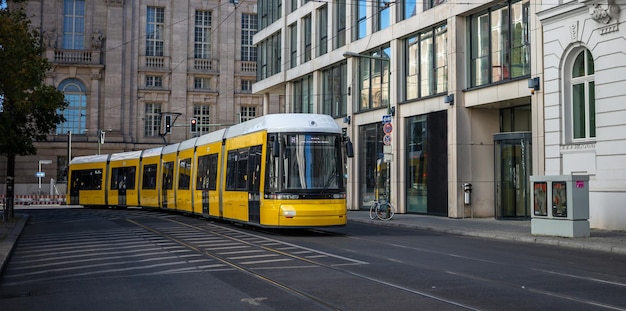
[150,182]
[281,170]
[86,179]
[123,169]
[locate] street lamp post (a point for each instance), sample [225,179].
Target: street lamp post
[40,174]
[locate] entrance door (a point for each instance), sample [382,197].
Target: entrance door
[513,166]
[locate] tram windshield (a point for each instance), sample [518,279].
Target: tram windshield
[309,162]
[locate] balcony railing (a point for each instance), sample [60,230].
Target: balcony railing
[204,65]
[155,62]
[248,68]
[82,57]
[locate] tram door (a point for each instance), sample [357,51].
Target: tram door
[513,166]
[121,192]
[254,180]
[167,183]
[122,179]
[75,191]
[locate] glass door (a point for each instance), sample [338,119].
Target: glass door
[513,166]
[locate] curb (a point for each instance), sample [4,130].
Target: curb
[7,244]
[544,240]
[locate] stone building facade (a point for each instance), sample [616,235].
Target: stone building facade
[585,92]
[128,67]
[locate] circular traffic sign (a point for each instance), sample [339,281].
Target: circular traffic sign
[387,128]
[387,140]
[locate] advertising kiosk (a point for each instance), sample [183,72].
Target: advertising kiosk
[560,205]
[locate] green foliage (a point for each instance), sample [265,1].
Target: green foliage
[30,108]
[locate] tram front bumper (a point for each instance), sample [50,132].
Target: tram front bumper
[305,215]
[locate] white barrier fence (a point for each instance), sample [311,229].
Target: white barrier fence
[36,199]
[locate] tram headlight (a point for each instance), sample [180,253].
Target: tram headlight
[288,211]
[339,196]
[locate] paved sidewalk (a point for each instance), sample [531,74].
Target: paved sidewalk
[514,230]
[9,232]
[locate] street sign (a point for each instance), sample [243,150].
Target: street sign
[387,139]
[40,174]
[386,118]
[387,128]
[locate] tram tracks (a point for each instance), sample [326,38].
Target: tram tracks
[287,252]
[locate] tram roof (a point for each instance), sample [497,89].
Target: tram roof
[211,137]
[90,159]
[152,152]
[286,122]
[187,144]
[125,155]
[170,148]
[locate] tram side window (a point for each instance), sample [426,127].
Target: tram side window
[184,174]
[237,170]
[123,178]
[207,172]
[87,179]
[168,175]
[231,170]
[130,177]
[271,172]
[149,176]
[254,168]
[242,170]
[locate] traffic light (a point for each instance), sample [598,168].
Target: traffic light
[167,124]
[193,125]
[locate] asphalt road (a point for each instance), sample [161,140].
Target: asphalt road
[85,259]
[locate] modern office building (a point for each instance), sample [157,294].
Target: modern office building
[128,68]
[444,97]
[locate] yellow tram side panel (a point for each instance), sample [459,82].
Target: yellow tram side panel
[213,195]
[186,151]
[123,160]
[235,203]
[303,213]
[209,144]
[168,193]
[90,197]
[150,193]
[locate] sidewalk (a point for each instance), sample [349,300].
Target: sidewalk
[9,232]
[513,230]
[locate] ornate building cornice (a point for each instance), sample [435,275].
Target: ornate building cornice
[605,12]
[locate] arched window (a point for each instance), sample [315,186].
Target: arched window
[580,97]
[75,113]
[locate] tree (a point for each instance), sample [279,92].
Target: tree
[29,109]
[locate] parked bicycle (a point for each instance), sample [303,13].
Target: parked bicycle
[382,210]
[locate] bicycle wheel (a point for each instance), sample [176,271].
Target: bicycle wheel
[386,211]
[392,210]
[373,210]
